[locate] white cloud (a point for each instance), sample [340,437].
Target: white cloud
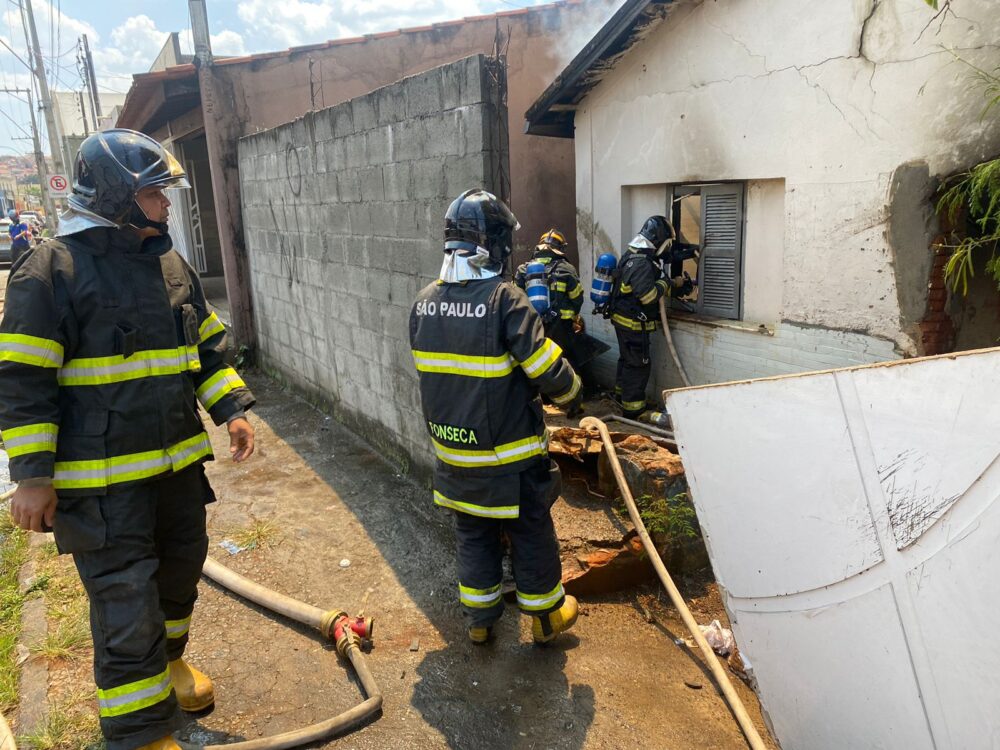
[275,25]
[135,43]
[228,42]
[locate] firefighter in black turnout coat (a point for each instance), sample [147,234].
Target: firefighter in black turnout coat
[639,284]
[562,321]
[106,348]
[482,358]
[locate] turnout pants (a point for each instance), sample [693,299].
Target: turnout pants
[534,551]
[139,551]
[633,371]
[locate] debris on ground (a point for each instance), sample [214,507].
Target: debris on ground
[230,546]
[601,551]
[719,638]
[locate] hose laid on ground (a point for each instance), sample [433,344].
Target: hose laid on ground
[642,425]
[739,710]
[6,736]
[670,342]
[333,624]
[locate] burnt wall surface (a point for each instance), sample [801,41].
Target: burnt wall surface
[343,212]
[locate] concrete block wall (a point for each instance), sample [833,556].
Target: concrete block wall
[343,212]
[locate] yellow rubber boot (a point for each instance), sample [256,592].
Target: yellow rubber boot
[167,743]
[546,627]
[194,690]
[480,635]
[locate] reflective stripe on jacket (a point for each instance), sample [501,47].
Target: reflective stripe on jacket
[106,346]
[482,357]
[640,286]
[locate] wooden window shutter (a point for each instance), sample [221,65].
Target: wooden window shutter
[720,274]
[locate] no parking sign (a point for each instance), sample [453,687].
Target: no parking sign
[58,185]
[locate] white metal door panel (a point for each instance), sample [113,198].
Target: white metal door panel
[795,654]
[767,437]
[903,653]
[931,439]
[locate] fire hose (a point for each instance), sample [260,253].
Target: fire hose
[345,631]
[6,737]
[670,342]
[337,626]
[722,679]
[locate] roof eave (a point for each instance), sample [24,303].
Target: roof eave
[553,113]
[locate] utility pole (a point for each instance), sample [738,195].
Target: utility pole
[222,132]
[91,80]
[43,170]
[55,142]
[83,114]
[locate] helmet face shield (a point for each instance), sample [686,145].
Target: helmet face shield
[170,182]
[478,219]
[114,165]
[553,240]
[658,234]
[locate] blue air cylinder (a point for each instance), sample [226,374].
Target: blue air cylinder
[600,287]
[536,284]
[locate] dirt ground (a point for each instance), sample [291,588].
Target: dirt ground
[314,496]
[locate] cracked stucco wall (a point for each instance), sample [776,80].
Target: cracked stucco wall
[854,104]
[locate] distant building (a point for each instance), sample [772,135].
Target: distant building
[8,195]
[75,118]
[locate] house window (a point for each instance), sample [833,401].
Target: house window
[710,216]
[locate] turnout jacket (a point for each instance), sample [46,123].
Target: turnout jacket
[106,348]
[565,290]
[482,357]
[636,300]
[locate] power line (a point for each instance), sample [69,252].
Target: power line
[16,124]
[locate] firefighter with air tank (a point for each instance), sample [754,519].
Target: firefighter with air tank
[628,292]
[482,357]
[554,290]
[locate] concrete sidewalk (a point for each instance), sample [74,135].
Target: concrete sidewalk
[617,681]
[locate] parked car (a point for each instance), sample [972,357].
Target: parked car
[5,256]
[33,217]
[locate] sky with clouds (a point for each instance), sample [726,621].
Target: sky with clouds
[126,35]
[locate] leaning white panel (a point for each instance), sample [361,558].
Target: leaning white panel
[853,520]
[755,448]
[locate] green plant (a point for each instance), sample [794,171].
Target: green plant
[68,634]
[256,534]
[13,553]
[69,725]
[40,583]
[976,194]
[669,519]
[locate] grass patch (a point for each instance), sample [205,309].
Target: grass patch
[13,553]
[257,534]
[70,725]
[66,605]
[68,635]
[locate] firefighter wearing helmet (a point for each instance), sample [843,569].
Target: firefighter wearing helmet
[482,358]
[640,282]
[106,347]
[557,297]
